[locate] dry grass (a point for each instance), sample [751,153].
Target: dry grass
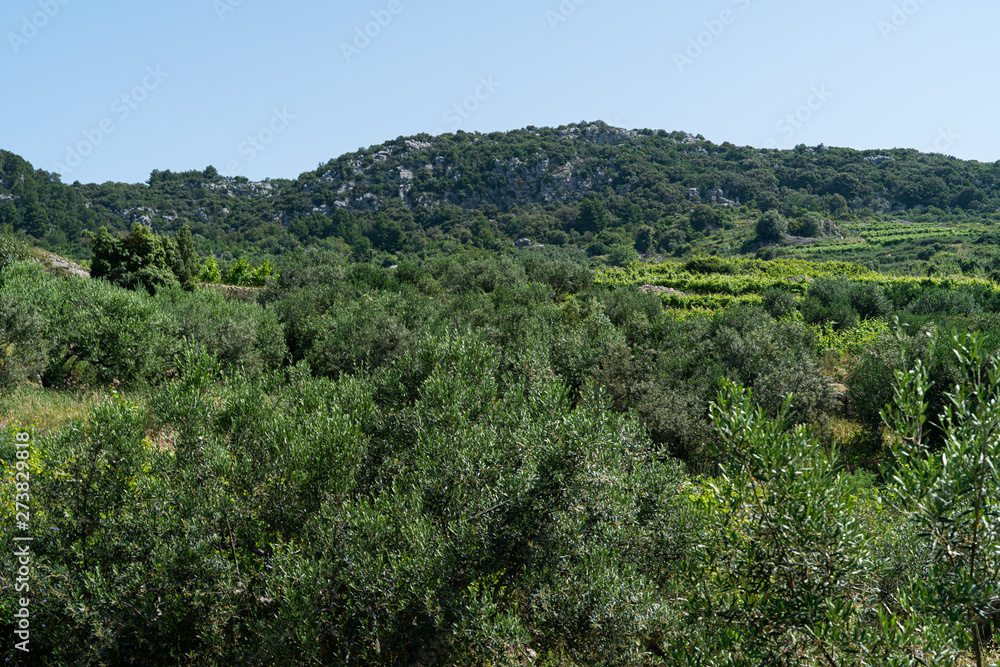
[991,658]
[47,409]
[163,439]
[844,430]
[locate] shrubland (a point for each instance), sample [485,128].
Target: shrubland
[506,458]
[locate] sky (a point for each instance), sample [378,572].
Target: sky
[110,90]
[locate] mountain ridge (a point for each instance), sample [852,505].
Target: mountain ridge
[532,171]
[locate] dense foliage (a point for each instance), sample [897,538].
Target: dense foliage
[500,459]
[448,417]
[608,191]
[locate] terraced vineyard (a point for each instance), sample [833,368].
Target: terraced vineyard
[712,283]
[864,236]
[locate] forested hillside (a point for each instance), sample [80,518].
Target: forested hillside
[566,185]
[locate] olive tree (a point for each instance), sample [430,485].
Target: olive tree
[952,492]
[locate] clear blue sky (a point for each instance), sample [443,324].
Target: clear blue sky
[267,89]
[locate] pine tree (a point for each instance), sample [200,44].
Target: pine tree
[185,264]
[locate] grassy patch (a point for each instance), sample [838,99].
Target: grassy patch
[47,409]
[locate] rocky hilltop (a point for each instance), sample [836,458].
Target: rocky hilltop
[661,173]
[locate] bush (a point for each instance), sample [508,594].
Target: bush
[596,249]
[870,386]
[24,347]
[869,300]
[673,409]
[772,358]
[564,276]
[96,333]
[943,302]
[557,237]
[240,335]
[210,273]
[772,226]
[358,336]
[243,274]
[482,275]
[12,250]
[709,265]
[810,225]
[622,255]
[306,505]
[577,349]
[703,217]
[780,303]
[139,259]
[829,300]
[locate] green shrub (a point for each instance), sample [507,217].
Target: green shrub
[12,250]
[710,265]
[780,303]
[240,335]
[772,226]
[577,349]
[139,259]
[622,254]
[94,332]
[597,248]
[772,358]
[24,345]
[483,275]
[564,276]
[829,300]
[869,300]
[787,544]
[210,273]
[810,225]
[360,335]
[943,302]
[949,490]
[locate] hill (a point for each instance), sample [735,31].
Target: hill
[570,184]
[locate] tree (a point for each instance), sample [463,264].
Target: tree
[36,220]
[786,556]
[593,216]
[703,217]
[12,250]
[788,542]
[386,233]
[837,204]
[811,225]
[136,260]
[622,255]
[185,264]
[953,494]
[645,238]
[10,218]
[771,226]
